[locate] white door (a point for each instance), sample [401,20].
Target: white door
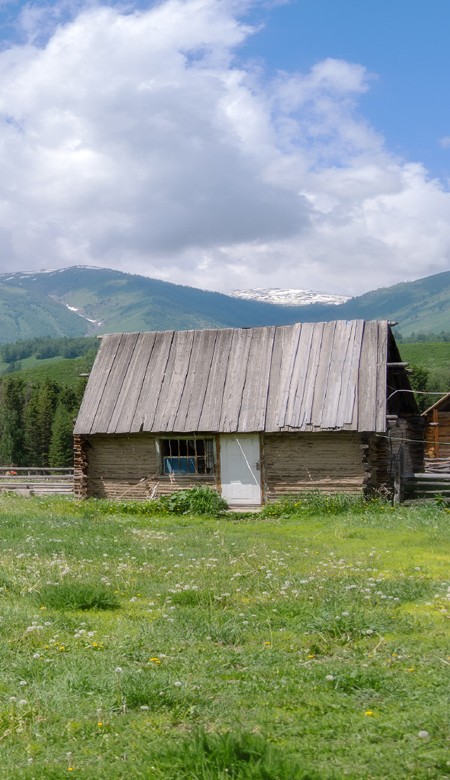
[240,468]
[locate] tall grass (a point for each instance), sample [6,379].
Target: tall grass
[307,644]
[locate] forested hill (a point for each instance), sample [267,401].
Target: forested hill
[99,300]
[81,301]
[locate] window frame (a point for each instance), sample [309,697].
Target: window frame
[209,451]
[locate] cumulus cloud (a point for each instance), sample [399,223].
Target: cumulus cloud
[139,140]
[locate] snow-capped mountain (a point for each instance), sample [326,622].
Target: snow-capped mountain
[289,297]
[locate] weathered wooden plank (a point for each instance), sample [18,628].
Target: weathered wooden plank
[313,367]
[254,395]
[125,409]
[116,377]
[274,380]
[347,414]
[235,380]
[368,375]
[152,385]
[288,358]
[173,392]
[197,382]
[295,413]
[211,411]
[96,383]
[321,382]
[381,379]
[339,394]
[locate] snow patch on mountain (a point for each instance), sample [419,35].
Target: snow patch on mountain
[80,314]
[289,297]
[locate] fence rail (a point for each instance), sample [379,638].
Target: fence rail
[34,480]
[427,485]
[437,465]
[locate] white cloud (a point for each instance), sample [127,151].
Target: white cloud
[138,141]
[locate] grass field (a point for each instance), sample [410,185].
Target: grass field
[306,645]
[65,371]
[434,357]
[431,355]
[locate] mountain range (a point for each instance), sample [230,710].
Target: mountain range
[83,300]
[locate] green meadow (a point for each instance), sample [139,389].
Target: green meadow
[307,642]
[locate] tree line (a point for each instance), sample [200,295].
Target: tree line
[415,338]
[43,348]
[36,422]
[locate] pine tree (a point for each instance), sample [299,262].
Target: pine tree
[38,421]
[11,422]
[61,445]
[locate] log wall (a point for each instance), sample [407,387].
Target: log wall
[125,467]
[438,435]
[393,456]
[298,462]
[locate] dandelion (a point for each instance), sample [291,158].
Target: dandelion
[23,682]
[118,670]
[329,677]
[100,724]
[368,713]
[423,734]
[155,660]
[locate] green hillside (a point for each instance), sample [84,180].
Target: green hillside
[81,301]
[26,313]
[61,360]
[109,301]
[65,371]
[422,306]
[434,357]
[431,355]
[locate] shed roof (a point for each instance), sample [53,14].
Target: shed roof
[443,404]
[303,377]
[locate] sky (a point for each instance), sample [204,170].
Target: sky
[227,144]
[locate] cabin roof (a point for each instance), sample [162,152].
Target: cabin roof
[302,377]
[444,402]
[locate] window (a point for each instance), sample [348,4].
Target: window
[187,456]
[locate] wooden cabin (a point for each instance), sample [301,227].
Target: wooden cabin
[437,434]
[256,413]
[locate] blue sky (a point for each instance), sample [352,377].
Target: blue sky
[403,43]
[227,143]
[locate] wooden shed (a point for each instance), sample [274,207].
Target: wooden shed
[255,413]
[437,437]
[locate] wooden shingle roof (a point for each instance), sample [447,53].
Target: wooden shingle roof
[303,377]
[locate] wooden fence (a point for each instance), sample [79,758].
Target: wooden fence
[36,481]
[437,465]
